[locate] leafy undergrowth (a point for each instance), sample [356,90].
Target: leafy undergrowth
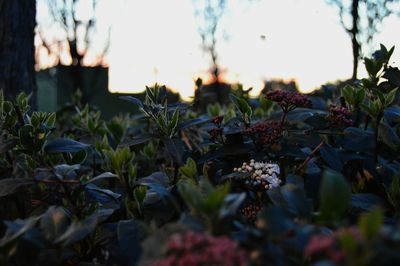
[285,179]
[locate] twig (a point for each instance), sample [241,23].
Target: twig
[66,182]
[309,157]
[19,115]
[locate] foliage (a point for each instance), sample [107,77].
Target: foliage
[280,180]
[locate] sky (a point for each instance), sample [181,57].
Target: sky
[157,41]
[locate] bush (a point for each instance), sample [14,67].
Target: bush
[267,181]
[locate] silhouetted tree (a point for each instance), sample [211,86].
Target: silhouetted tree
[209,14]
[78,36]
[17,55]
[361,20]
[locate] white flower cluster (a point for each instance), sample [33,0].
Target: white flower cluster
[264,175]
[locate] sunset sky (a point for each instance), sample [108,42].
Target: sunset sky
[157,41]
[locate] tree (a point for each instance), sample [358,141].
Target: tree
[17,54]
[361,20]
[71,34]
[209,14]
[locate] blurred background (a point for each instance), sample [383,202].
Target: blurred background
[106,48]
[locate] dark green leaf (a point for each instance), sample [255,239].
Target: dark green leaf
[389,136]
[106,175]
[335,196]
[65,145]
[136,140]
[8,186]
[370,223]
[54,223]
[133,100]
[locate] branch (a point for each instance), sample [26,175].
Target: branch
[309,157]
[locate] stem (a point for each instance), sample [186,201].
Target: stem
[19,115]
[65,182]
[322,132]
[94,162]
[284,116]
[357,118]
[282,166]
[309,157]
[367,119]
[376,152]
[71,199]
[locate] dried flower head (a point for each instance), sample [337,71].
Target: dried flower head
[339,116]
[215,133]
[288,100]
[218,120]
[267,133]
[329,245]
[251,210]
[195,249]
[262,175]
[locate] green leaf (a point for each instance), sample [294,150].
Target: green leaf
[390,97]
[265,104]
[381,96]
[17,228]
[54,223]
[190,193]
[214,109]
[1,102]
[106,175]
[243,107]
[65,145]
[173,123]
[335,196]
[383,48]
[370,223]
[369,65]
[27,137]
[35,120]
[360,96]
[388,136]
[390,53]
[393,193]
[189,169]
[51,120]
[79,157]
[348,243]
[9,186]
[367,83]
[347,93]
[215,200]
[367,109]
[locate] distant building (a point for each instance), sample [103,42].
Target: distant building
[56,86]
[278,84]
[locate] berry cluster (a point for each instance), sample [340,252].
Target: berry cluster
[329,245]
[267,133]
[195,249]
[251,210]
[262,175]
[217,120]
[339,116]
[215,133]
[288,100]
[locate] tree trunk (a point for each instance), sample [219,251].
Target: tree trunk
[354,34]
[17,52]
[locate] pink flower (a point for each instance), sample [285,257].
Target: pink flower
[195,249]
[319,243]
[288,100]
[339,116]
[217,120]
[215,133]
[267,132]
